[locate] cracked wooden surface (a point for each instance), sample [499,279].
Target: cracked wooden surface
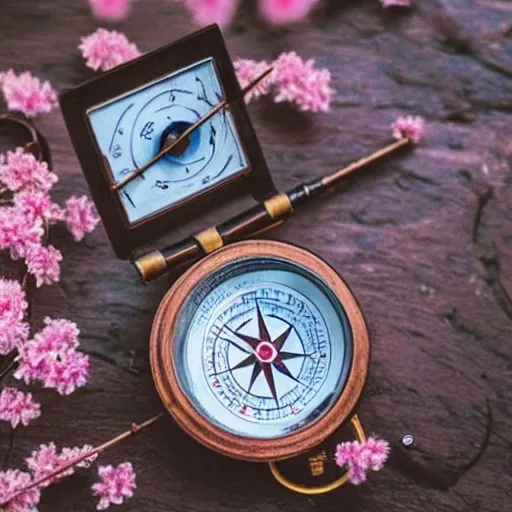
[425,242]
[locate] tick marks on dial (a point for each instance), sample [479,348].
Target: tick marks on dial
[117,129]
[201,95]
[116,151]
[129,198]
[147,130]
[172,93]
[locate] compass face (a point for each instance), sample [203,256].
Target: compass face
[133,128]
[262,348]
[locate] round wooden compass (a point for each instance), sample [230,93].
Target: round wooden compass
[260,351]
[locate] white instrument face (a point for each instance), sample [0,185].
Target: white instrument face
[132,128]
[263,348]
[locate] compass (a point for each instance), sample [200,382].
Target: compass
[121,122]
[260,351]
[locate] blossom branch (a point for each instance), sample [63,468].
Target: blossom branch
[135,429]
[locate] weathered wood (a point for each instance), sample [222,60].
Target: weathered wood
[424,241]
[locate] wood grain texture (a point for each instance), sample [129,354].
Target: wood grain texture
[425,243]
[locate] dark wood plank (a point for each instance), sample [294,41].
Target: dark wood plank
[428,259]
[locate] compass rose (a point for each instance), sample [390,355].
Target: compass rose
[266,354]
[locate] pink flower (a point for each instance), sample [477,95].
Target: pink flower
[105,49]
[12,481]
[359,457]
[399,3]
[19,169]
[43,262]
[356,474]
[36,204]
[18,407]
[286,11]
[25,93]
[52,358]
[205,12]
[300,83]
[13,306]
[246,71]
[116,484]
[374,453]
[110,10]
[18,232]
[46,460]
[347,452]
[80,216]
[411,127]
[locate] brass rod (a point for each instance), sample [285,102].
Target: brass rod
[354,166]
[217,108]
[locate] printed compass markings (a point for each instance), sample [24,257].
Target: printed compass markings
[266,353]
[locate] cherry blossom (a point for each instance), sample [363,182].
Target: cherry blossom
[18,407]
[205,12]
[110,10]
[299,82]
[19,169]
[104,49]
[411,127]
[11,482]
[43,262]
[35,205]
[285,11]
[80,216]
[248,70]
[115,485]
[398,3]
[13,306]
[359,457]
[46,459]
[27,94]
[18,232]
[52,358]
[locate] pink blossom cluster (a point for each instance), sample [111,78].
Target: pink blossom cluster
[23,220]
[276,12]
[115,485]
[47,459]
[359,457]
[21,491]
[110,10]
[52,358]
[27,94]
[411,127]
[104,49]
[11,482]
[17,407]
[13,306]
[292,80]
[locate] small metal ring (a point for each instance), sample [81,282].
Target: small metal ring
[37,144]
[322,489]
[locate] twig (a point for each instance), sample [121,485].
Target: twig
[8,368]
[135,428]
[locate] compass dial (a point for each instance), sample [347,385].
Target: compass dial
[263,348]
[131,129]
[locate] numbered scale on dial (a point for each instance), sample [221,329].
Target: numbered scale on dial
[260,348]
[132,129]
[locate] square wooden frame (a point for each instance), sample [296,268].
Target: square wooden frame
[75,102]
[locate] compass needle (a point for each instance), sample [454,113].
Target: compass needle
[280,340]
[255,373]
[269,377]
[262,328]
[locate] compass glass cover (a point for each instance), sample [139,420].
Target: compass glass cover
[133,128]
[262,348]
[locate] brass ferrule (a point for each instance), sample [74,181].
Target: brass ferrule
[151,265]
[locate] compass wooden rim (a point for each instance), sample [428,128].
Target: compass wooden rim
[182,409]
